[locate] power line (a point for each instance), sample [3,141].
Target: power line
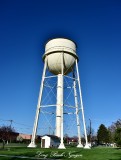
[12,121]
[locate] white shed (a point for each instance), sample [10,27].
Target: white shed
[49,141]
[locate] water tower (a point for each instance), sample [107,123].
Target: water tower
[61,60]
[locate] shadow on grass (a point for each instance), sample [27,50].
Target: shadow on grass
[118,148]
[115,159]
[4,149]
[118,155]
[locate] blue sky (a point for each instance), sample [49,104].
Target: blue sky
[26,25]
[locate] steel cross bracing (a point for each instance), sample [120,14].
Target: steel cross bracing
[44,103]
[66,100]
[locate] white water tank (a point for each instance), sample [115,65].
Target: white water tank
[53,51]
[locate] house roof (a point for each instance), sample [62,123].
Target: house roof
[52,137]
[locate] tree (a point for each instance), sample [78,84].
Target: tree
[5,134]
[113,130]
[118,136]
[66,138]
[90,133]
[115,125]
[19,138]
[103,134]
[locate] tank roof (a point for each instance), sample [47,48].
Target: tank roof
[60,38]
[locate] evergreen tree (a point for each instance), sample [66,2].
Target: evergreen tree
[103,134]
[118,136]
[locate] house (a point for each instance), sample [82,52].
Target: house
[25,136]
[12,136]
[49,141]
[72,140]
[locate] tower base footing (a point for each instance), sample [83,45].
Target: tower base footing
[61,146]
[87,146]
[32,145]
[79,146]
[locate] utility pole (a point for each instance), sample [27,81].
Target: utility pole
[90,130]
[11,121]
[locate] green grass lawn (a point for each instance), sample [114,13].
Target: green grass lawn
[98,153]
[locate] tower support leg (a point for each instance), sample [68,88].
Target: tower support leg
[59,104]
[33,144]
[77,116]
[82,109]
[60,100]
[59,111]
